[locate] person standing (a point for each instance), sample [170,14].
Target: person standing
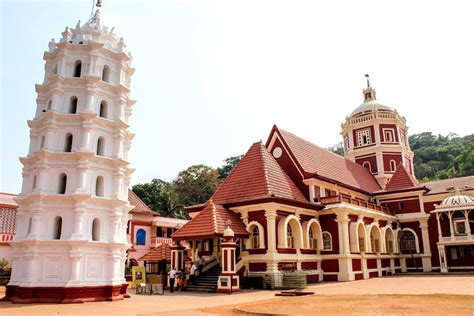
[192,275]
[172,275]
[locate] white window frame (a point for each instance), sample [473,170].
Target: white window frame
[360,137]
[330,241]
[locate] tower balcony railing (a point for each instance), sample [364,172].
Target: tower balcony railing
[343,198]
[156,241]
[379,115]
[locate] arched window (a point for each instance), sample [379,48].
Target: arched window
[77,68]
[99,186]
[389,247]
[62,183]
[290,240]
[313,242]
[366,164]
[408,242]
[42,142]
[327,241]
[393,165]
[103,109]
[68,143]
[141,237]
[361,236]
[48,108]
[57,227]
[33,185]
[375,239]
[106,74]
[100,146]
[73,105]
[96,229]
[255,237]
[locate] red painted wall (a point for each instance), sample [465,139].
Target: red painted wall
[328,224]
[371,159]
[257,266]
[356,265]
[330,265]
[390,156]
[259,216]
[310,265]
[409,206]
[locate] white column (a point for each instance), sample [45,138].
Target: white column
[440,235]
[468,227]
[271,216]
[85,140]
[426,259]
[311,193]
[451,228]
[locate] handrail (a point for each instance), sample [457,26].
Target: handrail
[348,199]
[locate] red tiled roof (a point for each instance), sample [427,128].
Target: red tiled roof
[140,207]
[401,179]
[442,186]
[7,199]
[321,162]
[257,175]
[161,252]
[211,221]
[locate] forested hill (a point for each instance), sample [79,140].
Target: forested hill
[442,157]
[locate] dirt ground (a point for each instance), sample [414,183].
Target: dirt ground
[401,295]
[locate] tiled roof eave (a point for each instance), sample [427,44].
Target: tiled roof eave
[459,207]
[417,188]
[268,199]
[342,184]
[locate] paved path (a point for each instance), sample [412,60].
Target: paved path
[189,303]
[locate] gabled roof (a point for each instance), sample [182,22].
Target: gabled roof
[140,207]
[443,186]
[402,179]
[318,162]
[257,175]
[211,221]
[159,253]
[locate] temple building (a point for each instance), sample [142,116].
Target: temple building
[293,205]
[71,236]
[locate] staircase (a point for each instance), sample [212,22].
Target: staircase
[207,282]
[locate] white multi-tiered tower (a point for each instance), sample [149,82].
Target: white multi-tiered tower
[71,240]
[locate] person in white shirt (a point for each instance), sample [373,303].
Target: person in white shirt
[172,275]
[192,273]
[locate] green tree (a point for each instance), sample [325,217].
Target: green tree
[160,196]
[337,149]
[196,184]
[229,165]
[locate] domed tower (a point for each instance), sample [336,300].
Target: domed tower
[376,136]
[71,240]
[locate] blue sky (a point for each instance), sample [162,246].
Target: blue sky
[212,77]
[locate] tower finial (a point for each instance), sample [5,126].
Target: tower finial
[368,80]
[95,3]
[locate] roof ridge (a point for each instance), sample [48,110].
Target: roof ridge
[214,215]
[441,180]
[265,167]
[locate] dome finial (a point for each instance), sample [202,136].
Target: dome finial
[369,92]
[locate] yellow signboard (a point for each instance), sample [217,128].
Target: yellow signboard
[138,275]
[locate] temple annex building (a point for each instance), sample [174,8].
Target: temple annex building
[295,206]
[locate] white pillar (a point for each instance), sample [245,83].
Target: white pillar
[271,216]
[451,228]
[440,235]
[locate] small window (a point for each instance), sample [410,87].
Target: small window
[389,246]
[327,241]
[393,166]
[460,226]
[73,105]
[55,69]
[363,137]
[99,186]
[103,109]
[96,229]
[68,143]
[401,206]
[33,186]
[361,244]
[367,165]
[290,240]
[62,183]
[141,237]
[106,74]
[255,237]
[30,222]
[42,142]
[388,136]
[77,69]
[313,242]
[159,232]
[100,146]
[57,227]
[48,108]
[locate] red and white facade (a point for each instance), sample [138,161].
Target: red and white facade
[336,218]
[71,241]
[8,209]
